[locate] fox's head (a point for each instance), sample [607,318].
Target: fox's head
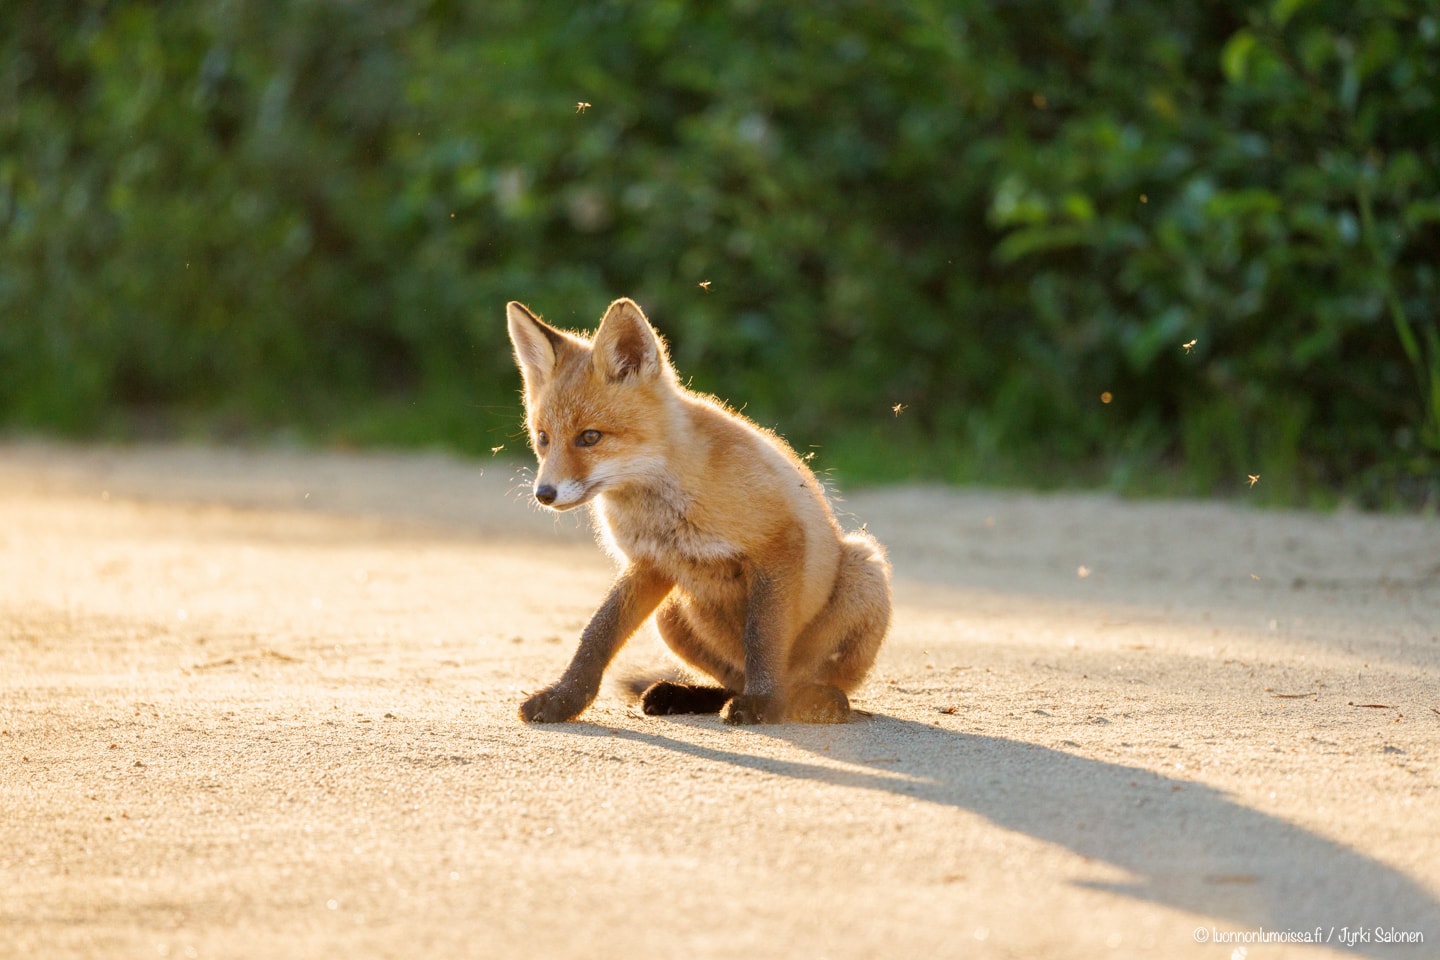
[596,408]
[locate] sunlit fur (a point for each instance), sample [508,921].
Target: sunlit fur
[716,521]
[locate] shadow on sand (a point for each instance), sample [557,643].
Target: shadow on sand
[1186,845]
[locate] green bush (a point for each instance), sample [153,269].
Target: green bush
[237,217]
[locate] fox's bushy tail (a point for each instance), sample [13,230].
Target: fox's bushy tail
[634,683]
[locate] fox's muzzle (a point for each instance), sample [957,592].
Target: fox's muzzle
[545,493]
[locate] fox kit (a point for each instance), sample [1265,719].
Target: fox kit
[725,536]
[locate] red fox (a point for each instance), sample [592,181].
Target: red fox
[725,536]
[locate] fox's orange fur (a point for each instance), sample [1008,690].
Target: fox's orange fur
[725,535]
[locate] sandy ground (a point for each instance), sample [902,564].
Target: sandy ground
[263,705]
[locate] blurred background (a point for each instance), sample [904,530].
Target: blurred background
[1148,246]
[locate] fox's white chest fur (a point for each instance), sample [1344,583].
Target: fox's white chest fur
[655,526]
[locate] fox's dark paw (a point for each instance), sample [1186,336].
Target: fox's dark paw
[555,705]
[818,703]
[663,697]
[748,708]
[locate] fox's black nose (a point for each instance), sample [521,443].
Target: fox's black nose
[545,494]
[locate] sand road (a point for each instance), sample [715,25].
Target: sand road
[263,704]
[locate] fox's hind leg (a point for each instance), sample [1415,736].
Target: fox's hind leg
[839,646]
[836,649]
[817,703]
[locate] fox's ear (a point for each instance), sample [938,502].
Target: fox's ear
[535,344]
[626,345]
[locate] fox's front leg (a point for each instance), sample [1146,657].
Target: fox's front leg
[766,625]
[635,595]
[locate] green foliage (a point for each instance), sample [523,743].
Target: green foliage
[244,215]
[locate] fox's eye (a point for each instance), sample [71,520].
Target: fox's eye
[542,439]
[588,438]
